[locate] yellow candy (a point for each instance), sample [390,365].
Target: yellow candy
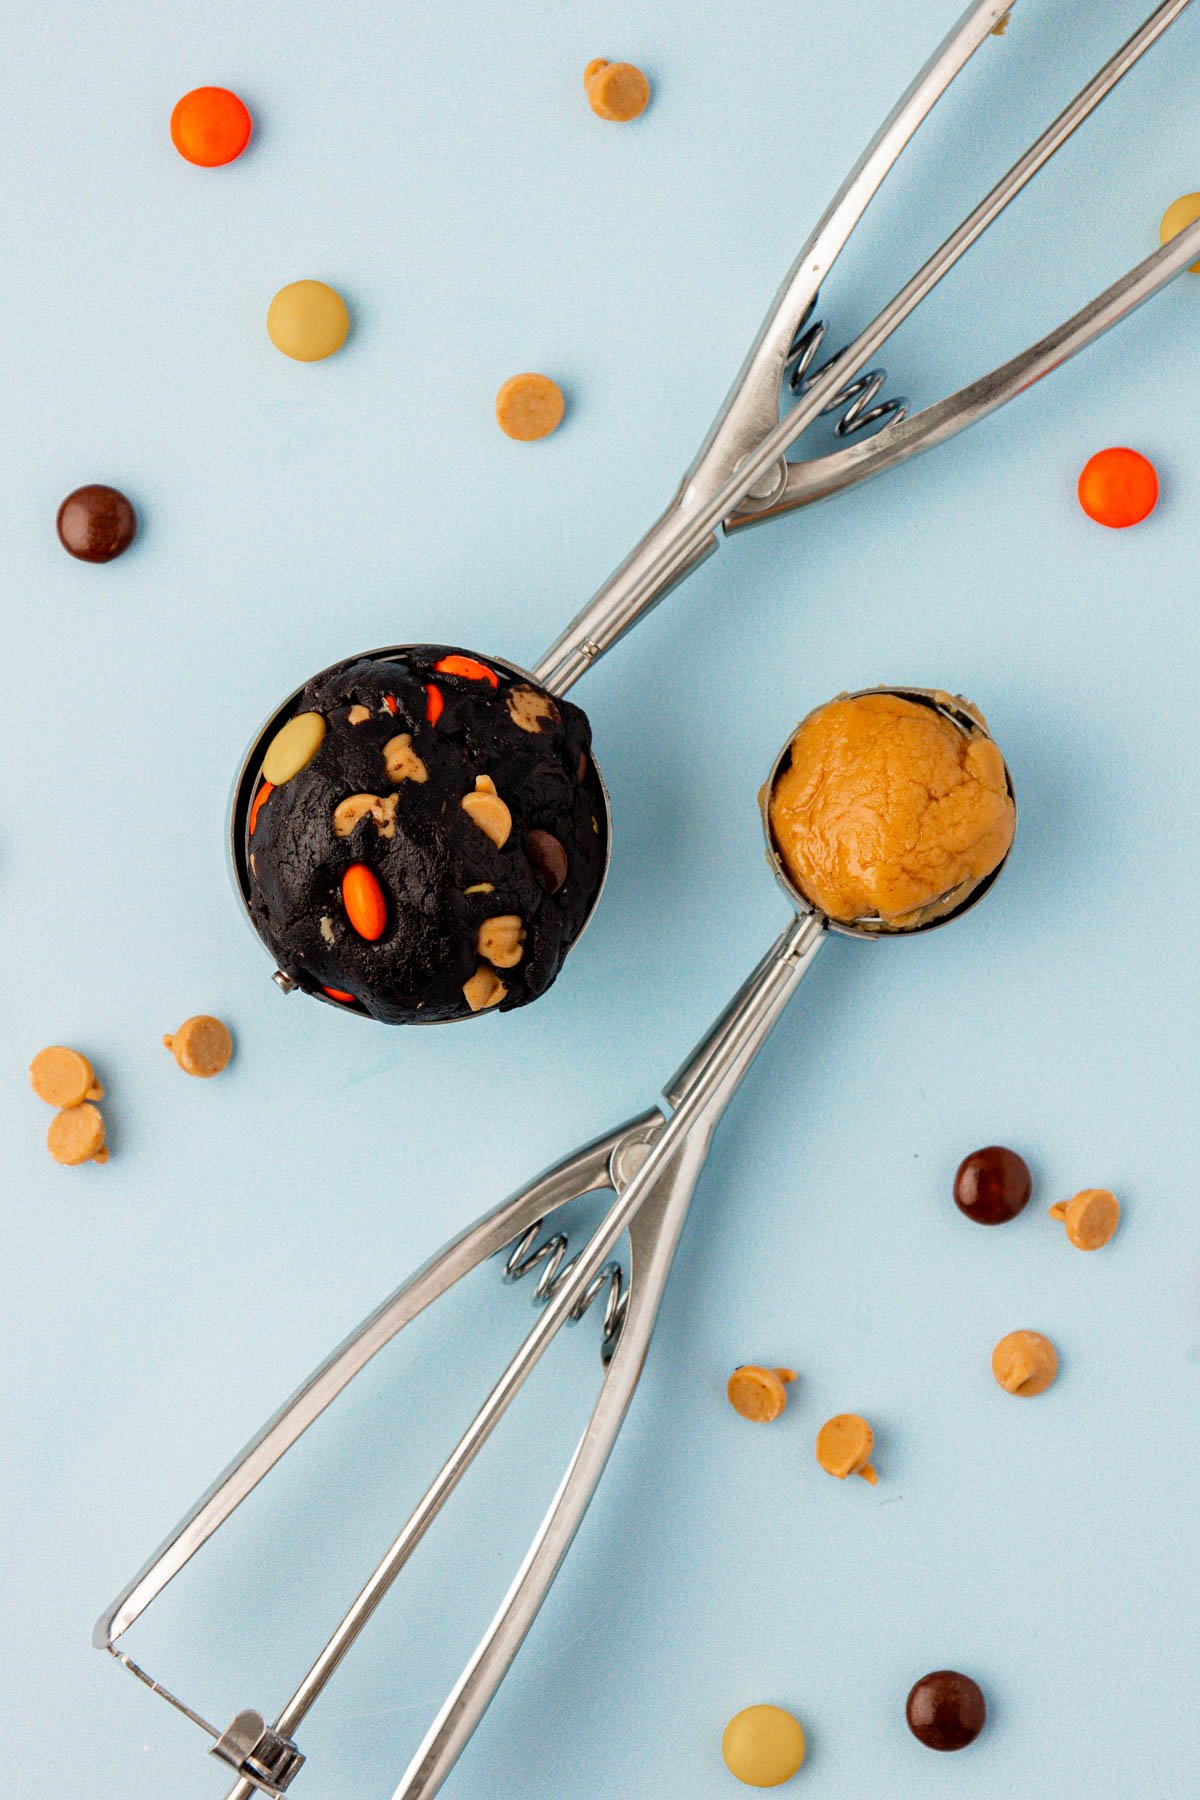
[293,747]
[308,321]
[763,1746]
[1179,215]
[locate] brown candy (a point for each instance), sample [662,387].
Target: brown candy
[548,858]
[992,1185]
[946,1710]
[96,523]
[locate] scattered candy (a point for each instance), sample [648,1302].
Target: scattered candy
[757,1393]
[210,126]
[502,940]
[63,1077]
[618,91]
[485,809]
[308,321]
[363,900]
[946,1710]
[76,1136]
[202,1046]
[96,523]
[468,668]
[529,406]
[1179,215]
[548,857]
[844,1446]
[1090,1217]
[992,1186]
[293,747]
[1025,1363]
[763,1746]
[1118,487]
[484,989]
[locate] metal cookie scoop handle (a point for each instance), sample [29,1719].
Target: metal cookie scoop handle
[652,1164]
[741,474]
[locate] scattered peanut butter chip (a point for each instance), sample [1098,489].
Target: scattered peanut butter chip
[1024,1363]
[358,715]
[502,940]
[1000,28]
[63,1077]
[844,1446]
[293,747]
[76,1135]
[529,406]
[484,989]
[401,760]
[531,710]
[758,1393]
[348,812]
[202,1045]
[548,857]
[485,808]
[1090,1217]
[616,90]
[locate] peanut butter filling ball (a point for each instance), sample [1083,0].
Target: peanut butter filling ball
[885,809]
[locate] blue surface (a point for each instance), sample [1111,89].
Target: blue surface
[449,179]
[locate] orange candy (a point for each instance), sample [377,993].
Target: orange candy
[339,994]
[210,126]
[363,900]
[468,668]
[1118,487]
[260,799]
[433,703]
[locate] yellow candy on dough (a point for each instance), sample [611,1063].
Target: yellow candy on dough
[763,1746]
[308,321]
[293,747]
[1179,215]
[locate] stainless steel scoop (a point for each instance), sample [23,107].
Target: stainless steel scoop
[652,1164]
[741,474]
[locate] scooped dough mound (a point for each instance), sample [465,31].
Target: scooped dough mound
[885,808]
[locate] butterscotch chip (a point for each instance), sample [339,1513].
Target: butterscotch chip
[758,1394]
[1025,1363]
[1090,1217]
[76,1135]
[202,1046]
[529,406]
[616,90]
[502,940]
[484,989]
[485,809]
[63,1077]
[844,1446]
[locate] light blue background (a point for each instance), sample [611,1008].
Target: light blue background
[445,173]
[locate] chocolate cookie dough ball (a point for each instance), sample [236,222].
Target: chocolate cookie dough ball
[427,836]
[886,810]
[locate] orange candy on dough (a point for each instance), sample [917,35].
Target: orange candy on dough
[339,994]
[210,126]
[364,902]
[433,703]
[260,799]
[468,668]
[1118,487]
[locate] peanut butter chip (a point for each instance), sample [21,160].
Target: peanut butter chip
[844,1446]
[529,406]
[358,715]
[486,809]
[359,806]
[1090,1217]
[202,1045]
[1024,1363]
[531,710]
[63,1077]
[76,1135]
[617,91]
[484,989]
[758,1394]
[401,760]
[502,940]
